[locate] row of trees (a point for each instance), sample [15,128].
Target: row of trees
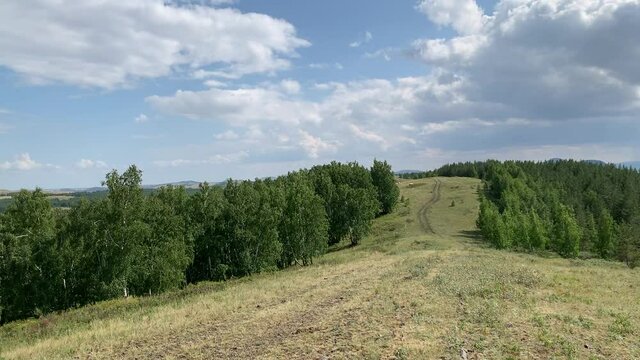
[570,207]
[130,243]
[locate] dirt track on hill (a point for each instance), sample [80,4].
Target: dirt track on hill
[422,214]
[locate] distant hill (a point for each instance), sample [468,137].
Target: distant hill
[189,184]
[401,172]
[588,161]
[597,162]
[633,164]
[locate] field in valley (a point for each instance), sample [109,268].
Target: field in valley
[421,286]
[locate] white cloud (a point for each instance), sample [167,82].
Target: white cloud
[321,66]
[465,16]
[522,78]
[369,136]
[227,135]
[365,40]
[214,83]
[290,86]
[142,118]
[91,164]
[384,54]
[548,59]
[458,50]
[239,106]
[213,160]
[111,43]
[22,162]
[314,146]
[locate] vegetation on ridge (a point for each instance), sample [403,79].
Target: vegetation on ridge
[132,244]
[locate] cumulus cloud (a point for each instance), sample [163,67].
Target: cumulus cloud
[239,106]
[91,164]
[531,74]
[23,162]
[108,44]
[544,59]
[465,16]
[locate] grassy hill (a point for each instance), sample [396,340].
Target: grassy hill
[421,286]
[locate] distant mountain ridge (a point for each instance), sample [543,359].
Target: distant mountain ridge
[188,184]
[632,164]
[401,172]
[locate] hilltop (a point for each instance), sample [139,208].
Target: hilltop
[422,285]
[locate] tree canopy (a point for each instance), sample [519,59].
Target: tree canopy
[136,243]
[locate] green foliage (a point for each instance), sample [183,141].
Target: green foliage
[385,183]
[566,233]
[565,206]
[28,266]
[304,226]
[134,243]
[605,243]
[629,243]
[350,198]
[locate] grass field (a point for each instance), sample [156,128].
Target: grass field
[422,286]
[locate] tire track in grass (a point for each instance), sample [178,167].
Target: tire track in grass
[422,214]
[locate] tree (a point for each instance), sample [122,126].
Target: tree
[629,243]
[248,239]
[303,228]
[537,232]
[166,247]
[605,244]
[350,198]
[492,225]
[29,270]
[385,183]
[205,221]
[566,232]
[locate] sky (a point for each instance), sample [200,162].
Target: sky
[211,89]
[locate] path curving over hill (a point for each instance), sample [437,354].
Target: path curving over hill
[423,215]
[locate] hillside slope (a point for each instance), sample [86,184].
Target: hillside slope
[421,286]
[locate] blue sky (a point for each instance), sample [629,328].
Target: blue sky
[206,90]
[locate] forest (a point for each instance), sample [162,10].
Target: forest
[132,243]
[574,208]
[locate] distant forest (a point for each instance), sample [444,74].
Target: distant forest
[125,242]
[575,208]
[71,199]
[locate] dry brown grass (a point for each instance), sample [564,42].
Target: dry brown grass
[402,294]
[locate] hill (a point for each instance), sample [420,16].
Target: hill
[421,285]
[403,172]
[633,164]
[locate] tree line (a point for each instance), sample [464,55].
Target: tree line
[132,243]
[574,208]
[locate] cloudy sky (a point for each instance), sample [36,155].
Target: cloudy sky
[211,89]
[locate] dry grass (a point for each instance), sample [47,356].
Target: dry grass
[402,294]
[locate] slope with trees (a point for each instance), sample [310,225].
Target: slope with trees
[132,243]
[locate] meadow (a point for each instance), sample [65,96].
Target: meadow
[422,285]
